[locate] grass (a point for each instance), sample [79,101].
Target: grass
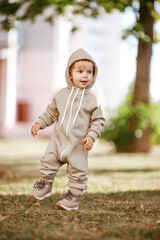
[122,200]
[101,216]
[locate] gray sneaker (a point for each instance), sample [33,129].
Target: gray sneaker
[42,190]
[70,201]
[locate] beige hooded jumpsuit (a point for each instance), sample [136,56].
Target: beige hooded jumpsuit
[77,114]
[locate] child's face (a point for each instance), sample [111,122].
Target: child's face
[82,73]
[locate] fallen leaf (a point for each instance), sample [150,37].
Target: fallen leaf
[37,204]
[94,229]
[105,205]
[2,217]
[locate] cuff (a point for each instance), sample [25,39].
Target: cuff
[41,123]
[76,191]
[93,134]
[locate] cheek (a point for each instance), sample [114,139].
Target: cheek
[91,78]
[77,77]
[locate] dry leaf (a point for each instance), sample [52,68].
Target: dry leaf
[105,205]
[142,206]
[37,204]
[2,217]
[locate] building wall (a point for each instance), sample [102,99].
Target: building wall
[3,72]
[3,79]
[35,64]
[41,57]
[102,38]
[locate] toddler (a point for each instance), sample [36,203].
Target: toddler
[79,121]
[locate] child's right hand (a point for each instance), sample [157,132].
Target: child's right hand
[35,129]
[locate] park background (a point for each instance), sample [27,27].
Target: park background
[122,200]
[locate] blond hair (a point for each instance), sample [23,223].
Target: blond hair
[81,62]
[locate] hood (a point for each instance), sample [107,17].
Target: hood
[80,54]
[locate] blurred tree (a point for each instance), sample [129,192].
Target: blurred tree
[118,125]
[146,15]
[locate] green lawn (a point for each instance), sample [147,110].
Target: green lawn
[122,200]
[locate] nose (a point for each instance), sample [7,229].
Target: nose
[84,74]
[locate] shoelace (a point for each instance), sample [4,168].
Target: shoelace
[40,184]
[69,195]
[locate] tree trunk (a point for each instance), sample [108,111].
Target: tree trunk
[141,89]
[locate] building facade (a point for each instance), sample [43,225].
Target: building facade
[32,66]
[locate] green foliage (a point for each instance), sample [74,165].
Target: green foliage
[8,13]
[118,127]
[111,5]
[12,11]
[138,31]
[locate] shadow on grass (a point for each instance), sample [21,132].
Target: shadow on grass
[124,215]
[24,171]
[126,170]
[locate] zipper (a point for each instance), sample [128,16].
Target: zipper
[64,151]
[70,116]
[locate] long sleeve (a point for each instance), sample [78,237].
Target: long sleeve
[49,116]
[97,121]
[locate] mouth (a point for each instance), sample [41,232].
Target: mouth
[84,81]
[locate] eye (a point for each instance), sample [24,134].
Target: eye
[80,71]
[89,71]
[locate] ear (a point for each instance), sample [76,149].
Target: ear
[70,72]
[70,75]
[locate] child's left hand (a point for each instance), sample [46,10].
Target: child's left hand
[88,143]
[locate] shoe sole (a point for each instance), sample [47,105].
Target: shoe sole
[66,208]
[45,196]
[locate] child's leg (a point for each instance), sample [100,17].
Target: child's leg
[77,174]
[48,168]
[49,165]
[77,169]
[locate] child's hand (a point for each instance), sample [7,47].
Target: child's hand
[88,143]
[35,129]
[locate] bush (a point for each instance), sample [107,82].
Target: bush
[117,127]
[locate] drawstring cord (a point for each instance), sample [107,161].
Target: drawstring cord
[71,114]
[66,106]
[79,106]
[71,110]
